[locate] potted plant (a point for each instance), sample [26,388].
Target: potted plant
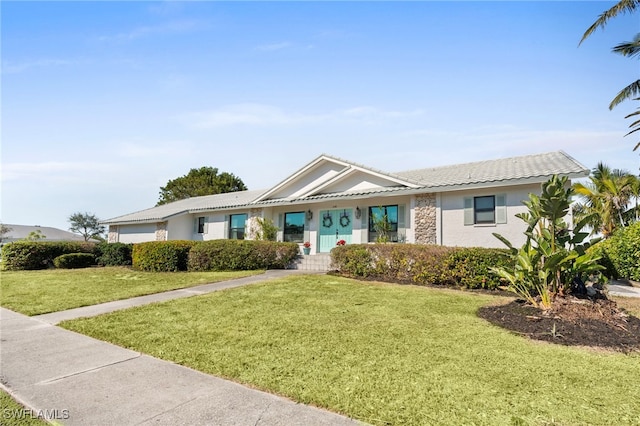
[306,247]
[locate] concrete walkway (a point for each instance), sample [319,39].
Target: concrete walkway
[77,380]
[620,288]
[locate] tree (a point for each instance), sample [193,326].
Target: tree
[630,49]
[605,198]
[198,182]
[35,236]
[4,230]
[87,225]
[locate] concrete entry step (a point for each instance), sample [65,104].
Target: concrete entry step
[315,262]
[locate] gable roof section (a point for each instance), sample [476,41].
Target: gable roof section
[538,167]
[327,174]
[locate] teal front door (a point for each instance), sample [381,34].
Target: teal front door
[335,225]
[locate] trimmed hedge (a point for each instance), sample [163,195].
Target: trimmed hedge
[31,255]
[621,253]
[74,261]
[162,256]
[420,264]
[235,255]
[114,254]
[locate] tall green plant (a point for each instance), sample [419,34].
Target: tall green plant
[268,230]
[381,225]
[553,255]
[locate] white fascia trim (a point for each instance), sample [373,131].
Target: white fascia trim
[296,175]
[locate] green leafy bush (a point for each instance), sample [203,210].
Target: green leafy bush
[471,267]
[31,255]
[114,254]
[230,255]
[162,256]
[74,261]
[621,253]
[420,264]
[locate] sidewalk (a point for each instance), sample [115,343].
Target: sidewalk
[77,380]
[619,288]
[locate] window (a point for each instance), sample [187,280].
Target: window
[294,227]
[236,226]
[201,222]
[485,210]
[383,223]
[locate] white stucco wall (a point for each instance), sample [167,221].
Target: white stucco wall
[216,227]
[137,233]
[180,228]
[455,233]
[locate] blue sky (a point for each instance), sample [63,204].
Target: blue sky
[104,102]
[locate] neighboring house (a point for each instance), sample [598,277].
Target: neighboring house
[331,199]
[21,232]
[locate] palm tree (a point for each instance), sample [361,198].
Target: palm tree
[607,194]
[630,49]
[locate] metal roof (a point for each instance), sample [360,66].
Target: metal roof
[227,200]
[20,232]
[541,166]
[505,171]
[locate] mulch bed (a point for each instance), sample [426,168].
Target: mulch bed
[571,321]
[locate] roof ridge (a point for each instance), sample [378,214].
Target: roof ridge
[493,160]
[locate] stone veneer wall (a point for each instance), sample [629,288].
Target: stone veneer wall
[113,234]
[425,219]
[161,231]
[252,224]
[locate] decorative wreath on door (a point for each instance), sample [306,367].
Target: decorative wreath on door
[344,219]
[327,220]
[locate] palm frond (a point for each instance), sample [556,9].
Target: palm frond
[624,6]
[627,93]
[630,48]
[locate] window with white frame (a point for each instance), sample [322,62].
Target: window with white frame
[201,222]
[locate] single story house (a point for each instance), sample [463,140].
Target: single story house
[46,233]
[330,199]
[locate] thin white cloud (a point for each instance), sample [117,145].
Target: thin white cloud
[48,170]
[173,27]
[9,67]
[267,115]
[274,46]
[166,150]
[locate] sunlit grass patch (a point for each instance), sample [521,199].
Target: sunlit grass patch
[39,292]
[384,354]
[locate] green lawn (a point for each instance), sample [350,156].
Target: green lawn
[13,413]
[40,292]
[383,354]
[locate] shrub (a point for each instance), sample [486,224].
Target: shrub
[420,264]
[30,255]
[621,253]
[113,254]
[471,266]
[228,255]
[162,256]
[74,261]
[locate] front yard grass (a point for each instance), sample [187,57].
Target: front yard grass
[40,292]
[12,413]
[383,354]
